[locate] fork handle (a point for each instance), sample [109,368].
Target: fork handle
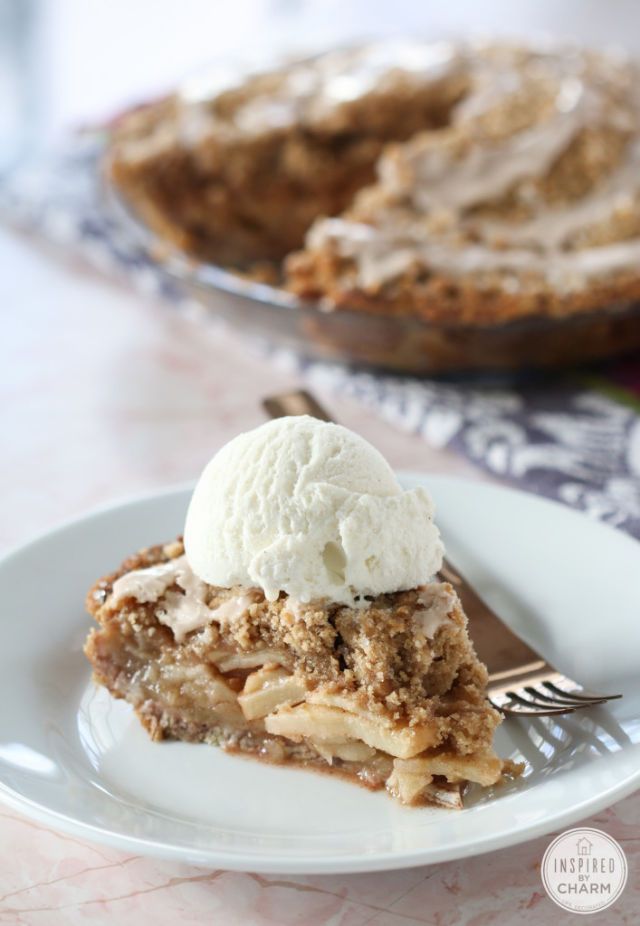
[298,402]
[503,653]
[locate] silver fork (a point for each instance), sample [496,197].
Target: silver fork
[521,682]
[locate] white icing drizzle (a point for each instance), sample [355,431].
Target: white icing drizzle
[437,603]
[150,584]
[388,257]
[489,170]
[551,229]
[183,612]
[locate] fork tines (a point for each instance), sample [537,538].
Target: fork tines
[546,698]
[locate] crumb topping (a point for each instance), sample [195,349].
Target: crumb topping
[379,655]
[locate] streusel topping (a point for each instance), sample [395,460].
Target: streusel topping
[399,650]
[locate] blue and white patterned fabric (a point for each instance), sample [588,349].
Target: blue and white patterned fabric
[558,437]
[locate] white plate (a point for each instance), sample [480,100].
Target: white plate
[72,757]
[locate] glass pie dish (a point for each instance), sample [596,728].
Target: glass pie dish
[387,342]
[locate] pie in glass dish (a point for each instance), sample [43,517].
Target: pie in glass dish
[428,207]
[269,631]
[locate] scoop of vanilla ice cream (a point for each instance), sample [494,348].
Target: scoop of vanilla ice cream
[309,508]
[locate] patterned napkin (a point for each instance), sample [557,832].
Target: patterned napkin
[574,438]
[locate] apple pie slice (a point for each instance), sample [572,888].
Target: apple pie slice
[389,694]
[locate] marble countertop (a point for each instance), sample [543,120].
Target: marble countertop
[104,395]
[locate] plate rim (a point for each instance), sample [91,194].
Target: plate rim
[347,864]
[282,863]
